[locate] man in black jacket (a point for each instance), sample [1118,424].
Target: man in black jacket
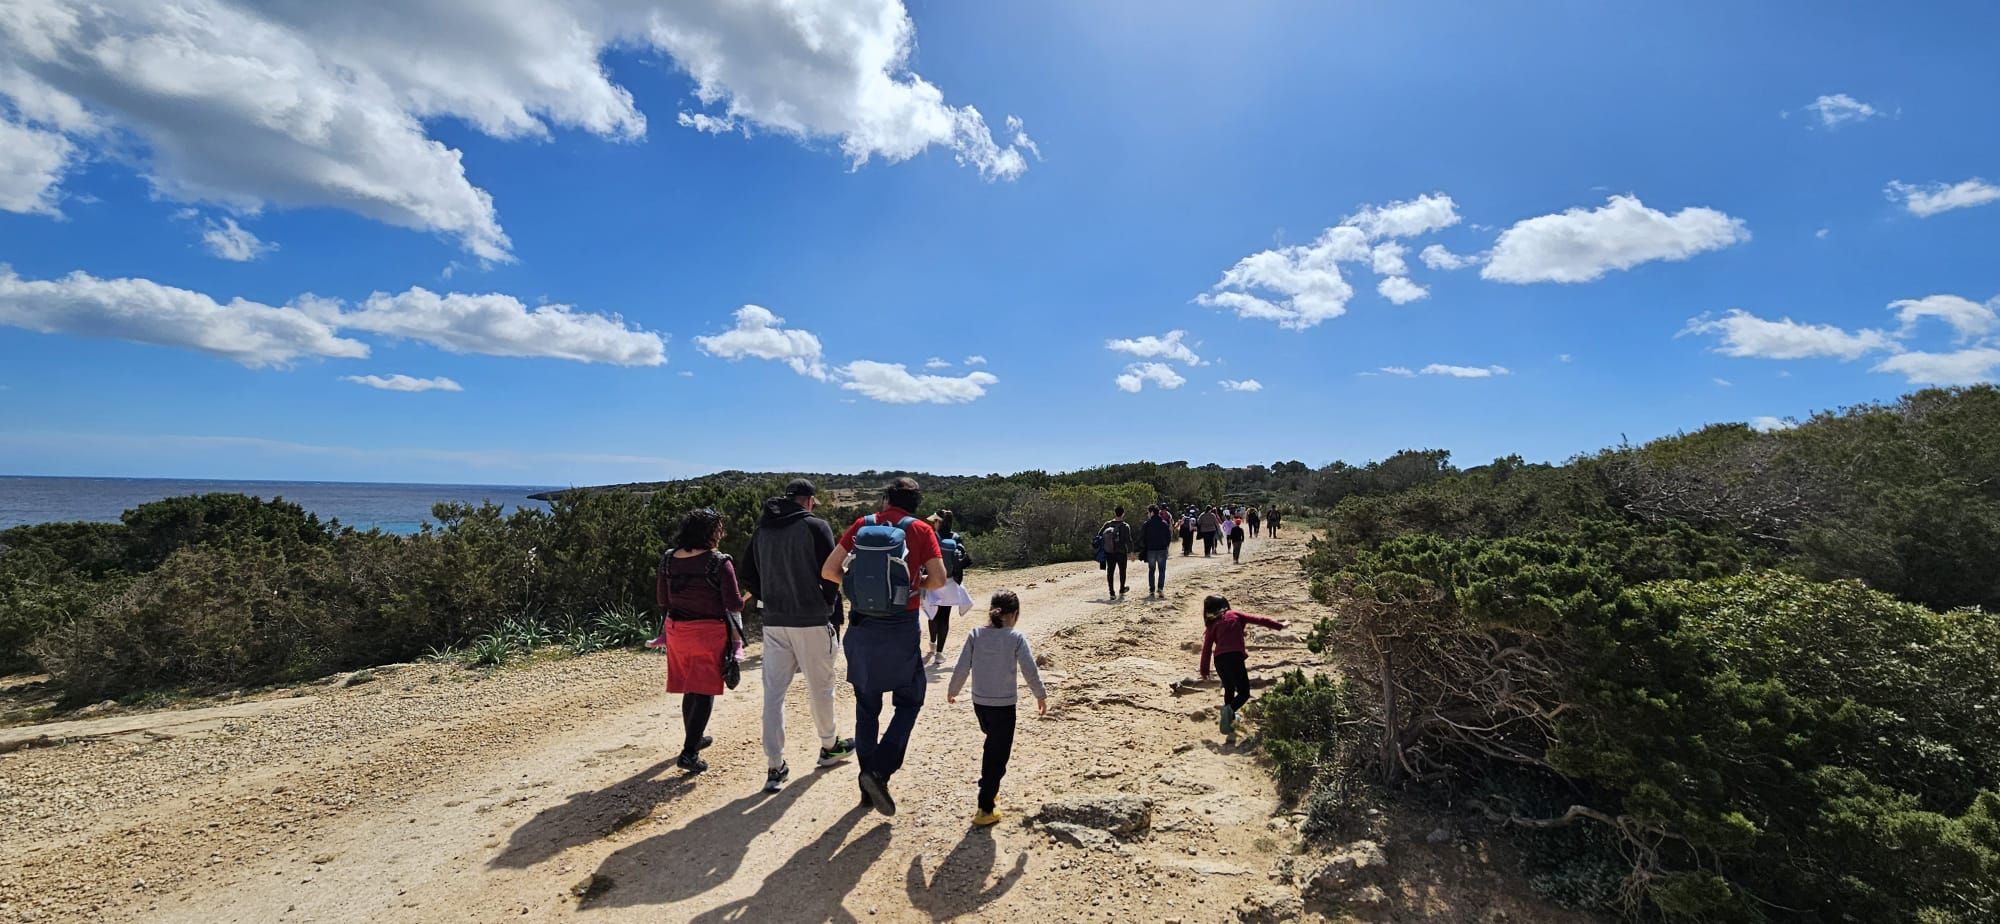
[801,612]
[1117,536]
[1157,536]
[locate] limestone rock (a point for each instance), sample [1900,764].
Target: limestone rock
[1356,865]
[1123,817]
[1270,906]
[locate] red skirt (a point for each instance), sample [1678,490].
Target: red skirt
[694,655]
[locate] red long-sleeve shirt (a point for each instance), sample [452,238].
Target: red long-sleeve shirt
[1225,635]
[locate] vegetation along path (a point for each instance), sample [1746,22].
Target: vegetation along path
[546,791]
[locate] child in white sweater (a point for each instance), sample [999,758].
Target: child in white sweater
[990,655]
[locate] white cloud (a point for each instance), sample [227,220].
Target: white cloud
[1768,424]
[1245,385]
[1822,233]
[500,325]
[244,103]
[936,363]
[1402,371]
[144,311]
[1401,290]
[1725,383]
[703,122]
[1305,279]
[1746,335]
[761,334]
[1968,318]
[1579,245]
[975,360]
[32,164]
[1438,258]
[231,241]
[893,383]
[1387,259]
[1840,109]
[1137,375]
[1964,367]
[400,382]
[1925,201]
[1562,357]
[1422,215]
[1464,372]
[1151,347]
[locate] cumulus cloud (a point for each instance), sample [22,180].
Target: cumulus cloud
[1963,367]
[1421,215]
[1464,372]
[32,164]
[144,311]
[894,384]
[1438,258]
[1580,245]
[1401,290]
[1840,109]
[975,360]
[936,362]
[1746,335]
[762,335]
[231,241]
[1768,424]
[1932,198]
[1969,319]
[500,325]
[400,382]
[245,104]
[1137,375]
[1245,385]
[1399,371]
[1387,259]
[1170,346]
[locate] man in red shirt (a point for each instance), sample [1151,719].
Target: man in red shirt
[884,650]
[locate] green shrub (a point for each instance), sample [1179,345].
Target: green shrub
[1306,722]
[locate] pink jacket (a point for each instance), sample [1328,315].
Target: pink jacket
[1225,635]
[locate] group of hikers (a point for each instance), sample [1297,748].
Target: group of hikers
[893,573]
[1115,540]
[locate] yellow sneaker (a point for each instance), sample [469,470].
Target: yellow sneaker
[987,819]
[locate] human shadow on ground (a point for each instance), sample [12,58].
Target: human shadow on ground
[960,886]
[696,857]
[588,816]
[813,883]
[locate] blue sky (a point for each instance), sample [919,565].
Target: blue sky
[1666,216]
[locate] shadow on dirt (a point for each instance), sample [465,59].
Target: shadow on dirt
[961,885]
[589,816]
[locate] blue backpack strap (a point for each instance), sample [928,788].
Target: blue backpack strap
[904,523]
[868,520]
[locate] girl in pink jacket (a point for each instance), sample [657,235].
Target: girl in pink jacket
[1224,638]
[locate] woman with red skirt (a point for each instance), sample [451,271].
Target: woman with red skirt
[698,593]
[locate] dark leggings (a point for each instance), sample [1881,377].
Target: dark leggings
[1114,573]
[997,722]
[1207,544]
[1187,543]
[1231,666]
[940,624]
[695,710]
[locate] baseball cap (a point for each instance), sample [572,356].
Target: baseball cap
[801,488]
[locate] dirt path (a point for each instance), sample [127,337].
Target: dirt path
[432,793]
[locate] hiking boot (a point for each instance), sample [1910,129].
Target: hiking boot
[775,778]
[987,818]
[705,742]
[877,791]
[692,763]
[842,749]
[1228,719]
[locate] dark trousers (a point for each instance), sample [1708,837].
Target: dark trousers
[1233,668]
[1187,543]
[695,710]
[880,750]
[940,624]
[1253,527]
[997,722]
[1236,545]
[1114,573]
[1207,544]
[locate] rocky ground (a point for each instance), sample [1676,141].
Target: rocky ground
[546,791]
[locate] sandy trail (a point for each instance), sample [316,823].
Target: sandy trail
[433,793]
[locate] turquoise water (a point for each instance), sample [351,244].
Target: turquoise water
[397,508]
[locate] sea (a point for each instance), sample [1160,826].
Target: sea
[394,508]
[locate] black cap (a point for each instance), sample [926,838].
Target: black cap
[801,488]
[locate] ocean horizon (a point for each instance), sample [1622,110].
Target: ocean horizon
[389,506]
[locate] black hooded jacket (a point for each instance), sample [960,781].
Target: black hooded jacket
[781,567]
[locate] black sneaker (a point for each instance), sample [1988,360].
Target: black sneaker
[775,779]
[877,792]
[705,742]
[843,748]
[692,763]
